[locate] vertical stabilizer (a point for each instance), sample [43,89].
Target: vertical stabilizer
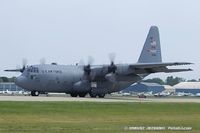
[151,51]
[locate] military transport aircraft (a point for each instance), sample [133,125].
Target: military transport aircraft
[95,80]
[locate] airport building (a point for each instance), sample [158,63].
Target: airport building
[169,88]
[144,87]
[187,87]
[10,86]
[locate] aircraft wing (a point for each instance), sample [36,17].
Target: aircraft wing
[140,68]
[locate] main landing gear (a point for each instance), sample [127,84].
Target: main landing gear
[92,95]
[101,95]
[35,93]
[80,94]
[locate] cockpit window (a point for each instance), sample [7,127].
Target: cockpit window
[33,69]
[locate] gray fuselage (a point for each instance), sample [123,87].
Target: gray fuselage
[71,79]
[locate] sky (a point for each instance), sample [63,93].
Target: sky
[67,31]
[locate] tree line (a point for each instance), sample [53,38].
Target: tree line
[6,79]
[170,80]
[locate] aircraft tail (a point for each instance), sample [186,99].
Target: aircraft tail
[151,51]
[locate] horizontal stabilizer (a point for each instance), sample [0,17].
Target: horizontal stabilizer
[154,65]
[140,68]
[177,70]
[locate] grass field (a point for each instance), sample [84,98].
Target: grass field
[62,117]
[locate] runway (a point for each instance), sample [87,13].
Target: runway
[107,99]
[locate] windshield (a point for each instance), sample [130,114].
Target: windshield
[33,69]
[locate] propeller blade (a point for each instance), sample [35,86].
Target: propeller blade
[87,69]
[42,61]
[112,57]
[13,70]
[24,62]
[81,63]
[90,75]
[90,60]
[112,68]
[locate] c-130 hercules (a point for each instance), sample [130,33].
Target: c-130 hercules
[96,80]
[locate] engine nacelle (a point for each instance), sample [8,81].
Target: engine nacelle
[81,86]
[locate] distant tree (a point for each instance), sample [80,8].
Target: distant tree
[154,80]
[173,81]
[192,80]
[12,79]
[4,79]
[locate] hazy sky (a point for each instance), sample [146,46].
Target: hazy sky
[66,31]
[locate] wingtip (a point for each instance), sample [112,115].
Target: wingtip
[184,63]
[189,63]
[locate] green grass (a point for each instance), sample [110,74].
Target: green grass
[62,117]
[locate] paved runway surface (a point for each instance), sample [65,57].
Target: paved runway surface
[107,99]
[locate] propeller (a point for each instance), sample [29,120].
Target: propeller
[112,68]
[112,57]
[42,61]
[24,64]
[90,75]
[90,60]
[81,62]
[87,68]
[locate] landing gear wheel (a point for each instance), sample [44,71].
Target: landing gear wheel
[82,94]
[74,94]
[35,93]
[92,94]
[101,95]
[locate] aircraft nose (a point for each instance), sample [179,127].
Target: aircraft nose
[20,81]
